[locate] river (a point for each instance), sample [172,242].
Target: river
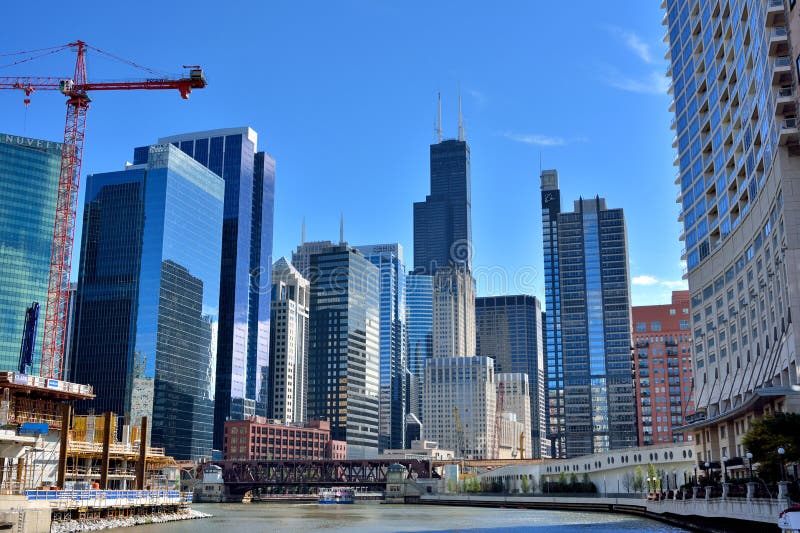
[379,518]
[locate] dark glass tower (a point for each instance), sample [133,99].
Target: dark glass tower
[509,330]
[29,170]
[146,314]
[443,222]
[246,267]
[344,353]
[554,374]
[600,409]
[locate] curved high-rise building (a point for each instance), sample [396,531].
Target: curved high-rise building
[734,85]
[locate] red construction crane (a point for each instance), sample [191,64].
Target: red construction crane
[77,91]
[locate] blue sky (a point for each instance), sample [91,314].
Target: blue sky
[343,95]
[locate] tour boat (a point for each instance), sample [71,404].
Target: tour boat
[336,495]
[789,519]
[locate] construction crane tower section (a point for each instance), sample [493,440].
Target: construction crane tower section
[76,89]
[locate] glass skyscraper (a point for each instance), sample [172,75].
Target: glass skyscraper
[344,348]
[554,375]
[509,330]
[419,322]
[735,98]
[393,341]
[29,170]
[147,318]
[600,408]
[244,306]
[590,394]
[443,222]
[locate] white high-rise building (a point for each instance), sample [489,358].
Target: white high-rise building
[288,343]
[453,313]
[517,401]
[458,405]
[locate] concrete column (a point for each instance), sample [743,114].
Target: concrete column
[695,490]
[708,492]
[106,460]
[751,490]
[783,490]
[725,488]
[66,422]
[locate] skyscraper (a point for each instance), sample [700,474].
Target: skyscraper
[393,341]
[146,317]
[443,222]
[29,170]
[419,322]
[663,369]
[600,410]
[554,391]
[344,351]
[509,330]
[288,369]
[459,405]
[244,307]
[453,313]
[735,104]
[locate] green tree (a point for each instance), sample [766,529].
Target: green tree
[769,433]
[525,484]
[638,479]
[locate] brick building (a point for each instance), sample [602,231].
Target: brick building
[260,439]
[663,368]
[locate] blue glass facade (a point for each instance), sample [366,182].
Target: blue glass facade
[393,342]
[29,170]
[725,121]
[419,322]
[509,330]
[344,352]
[443,222]
[147,317]
[600,411]
[246,267]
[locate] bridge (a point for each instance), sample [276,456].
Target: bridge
[241,477]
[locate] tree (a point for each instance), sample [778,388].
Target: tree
[525,484]
[627,481]
[638,479]
[769,433]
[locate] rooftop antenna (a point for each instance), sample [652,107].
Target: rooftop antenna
[341,228]
[461,135]
[437,129]
[303,232]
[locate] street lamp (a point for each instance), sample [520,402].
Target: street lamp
[750,464]
[724,469]
[708,477]
[781,451]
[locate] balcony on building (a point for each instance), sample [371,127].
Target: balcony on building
[788,133]
[785,101]
[775,13]
[778,41]
[782,70]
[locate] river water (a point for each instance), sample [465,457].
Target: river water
[380,518]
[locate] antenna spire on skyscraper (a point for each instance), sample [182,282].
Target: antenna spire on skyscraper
[461,135]
[303,232]
[437,128]
[341,229]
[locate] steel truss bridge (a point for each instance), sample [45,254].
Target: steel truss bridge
[241,477]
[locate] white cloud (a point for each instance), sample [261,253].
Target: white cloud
[542,140]
[633,42]
[479,97]
[647,280]
[644,280]
[654,83]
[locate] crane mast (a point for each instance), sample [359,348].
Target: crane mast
[76,90]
